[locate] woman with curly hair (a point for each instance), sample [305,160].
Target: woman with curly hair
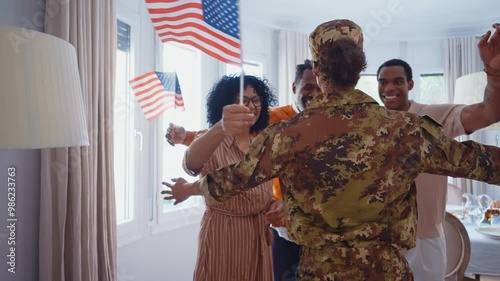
[234,240]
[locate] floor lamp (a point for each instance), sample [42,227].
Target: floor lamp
[469,89]
[41,106]
[41,101]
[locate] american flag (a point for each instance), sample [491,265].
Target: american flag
[156,92]
[211,26]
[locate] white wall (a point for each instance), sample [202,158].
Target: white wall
[169,256]
[28,14]
[421,55]
[376,54]
[260,44]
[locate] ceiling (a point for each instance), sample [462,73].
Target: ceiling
[381,20]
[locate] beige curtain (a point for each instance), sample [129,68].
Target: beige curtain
[293,49]
[77,213]
[461,58]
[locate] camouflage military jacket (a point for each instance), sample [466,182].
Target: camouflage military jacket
[347,167]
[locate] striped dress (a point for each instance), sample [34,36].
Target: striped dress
[234,240]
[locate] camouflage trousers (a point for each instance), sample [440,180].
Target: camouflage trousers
[376,263]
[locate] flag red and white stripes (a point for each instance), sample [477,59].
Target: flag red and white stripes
[156,92]
[211,26]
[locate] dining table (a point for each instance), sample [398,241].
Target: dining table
[484,261]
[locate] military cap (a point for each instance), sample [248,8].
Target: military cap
[331,31]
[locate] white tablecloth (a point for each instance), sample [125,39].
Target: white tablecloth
[485,253]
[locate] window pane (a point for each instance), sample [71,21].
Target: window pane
[369,85]
[186,62]
[122,130]
[432,90]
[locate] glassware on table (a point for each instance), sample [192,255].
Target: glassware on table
[475,207]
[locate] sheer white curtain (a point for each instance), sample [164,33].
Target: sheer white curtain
[77,239]
[461,58]
[293,49]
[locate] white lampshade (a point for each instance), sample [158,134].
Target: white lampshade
[469,89]
[41,101]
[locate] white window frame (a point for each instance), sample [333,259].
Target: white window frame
[430,73]
[181,215]
[414,94]
[130,231]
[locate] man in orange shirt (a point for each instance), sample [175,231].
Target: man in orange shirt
[285,253]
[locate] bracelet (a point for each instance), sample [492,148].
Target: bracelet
[491,74]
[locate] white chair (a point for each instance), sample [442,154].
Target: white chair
[457,248]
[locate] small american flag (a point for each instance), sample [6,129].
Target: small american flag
[211,26]
[157,92]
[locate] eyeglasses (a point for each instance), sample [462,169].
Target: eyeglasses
[256,101]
